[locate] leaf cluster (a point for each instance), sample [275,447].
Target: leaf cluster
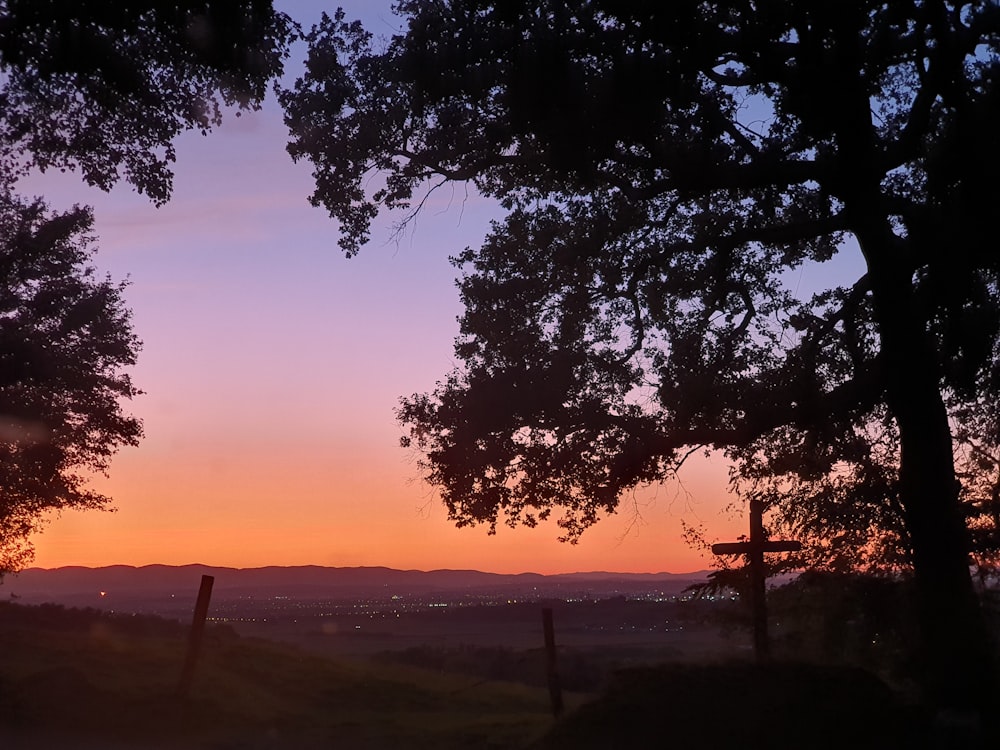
[66,343]
[105,87]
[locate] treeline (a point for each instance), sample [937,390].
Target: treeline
[58,618]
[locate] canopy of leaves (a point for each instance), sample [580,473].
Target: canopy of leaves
[105,86]
[66,342]
[672,171]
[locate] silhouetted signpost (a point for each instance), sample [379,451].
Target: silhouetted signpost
[754,550]
[197,634]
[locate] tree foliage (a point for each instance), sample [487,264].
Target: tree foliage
[671,171]
[850,518]
[105,87]
[66,340]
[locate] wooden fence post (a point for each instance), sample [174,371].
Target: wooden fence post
[196,637]
[555,690]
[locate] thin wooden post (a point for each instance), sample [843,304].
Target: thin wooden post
[758,582]
[555,689]
[197,636]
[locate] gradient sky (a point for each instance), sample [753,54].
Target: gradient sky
[272,365]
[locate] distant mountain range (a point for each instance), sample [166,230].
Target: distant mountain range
[310,581]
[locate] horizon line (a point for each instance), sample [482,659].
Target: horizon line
[700,572]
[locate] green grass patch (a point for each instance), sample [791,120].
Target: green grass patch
[101,681]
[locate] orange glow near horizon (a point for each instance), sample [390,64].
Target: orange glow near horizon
[263,508]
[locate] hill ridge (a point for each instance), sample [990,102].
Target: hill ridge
[305,580]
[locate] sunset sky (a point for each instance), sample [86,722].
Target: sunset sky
[272,365]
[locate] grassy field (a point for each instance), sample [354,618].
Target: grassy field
[99,683]
[87,681]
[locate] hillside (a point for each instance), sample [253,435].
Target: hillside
[82,679]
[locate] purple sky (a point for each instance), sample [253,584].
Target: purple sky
[272,365]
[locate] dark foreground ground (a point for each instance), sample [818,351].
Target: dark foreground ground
[740,705]
[87,681]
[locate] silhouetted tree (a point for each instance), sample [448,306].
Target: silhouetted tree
[105,87]
[102,87]
[670,170]
[846,508]
[977,431]
[65,341]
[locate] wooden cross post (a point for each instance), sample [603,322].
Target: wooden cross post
[754,549]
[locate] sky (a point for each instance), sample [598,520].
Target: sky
[271,366]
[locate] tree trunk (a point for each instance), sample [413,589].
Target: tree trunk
[956,661]
[956,668]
